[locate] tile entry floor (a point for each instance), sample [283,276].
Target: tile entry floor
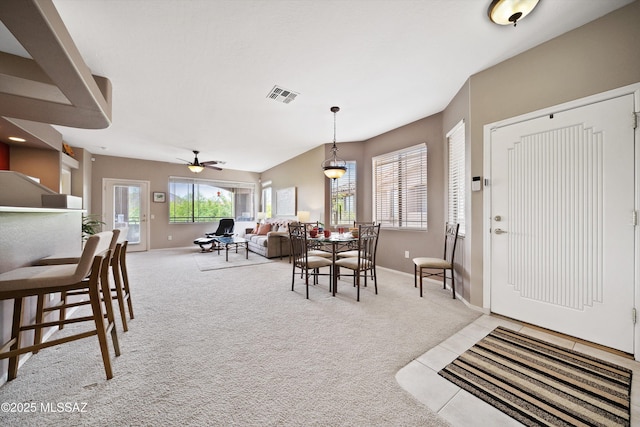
[460,408]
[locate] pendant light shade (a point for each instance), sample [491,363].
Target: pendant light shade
[507,12]
[195,168]
[334,167]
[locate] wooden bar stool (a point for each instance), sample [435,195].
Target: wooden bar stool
[120,290]
[87,275]
[121,279]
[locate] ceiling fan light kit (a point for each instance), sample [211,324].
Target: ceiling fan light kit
[507,12]
[334,167]
[196,166]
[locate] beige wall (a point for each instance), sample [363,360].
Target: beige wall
[299,172]
[596,57]
[393,243]
[158,173]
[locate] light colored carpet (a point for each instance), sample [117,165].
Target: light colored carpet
[237,347]
[207,261]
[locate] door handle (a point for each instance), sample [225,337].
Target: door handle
[500,231]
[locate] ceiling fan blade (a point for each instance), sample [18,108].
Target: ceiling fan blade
[183,160]
[211,167]
[210,162]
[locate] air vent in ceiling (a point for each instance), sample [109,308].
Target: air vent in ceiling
[282,95]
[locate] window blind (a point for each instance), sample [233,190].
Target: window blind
[400,188]
[457,176]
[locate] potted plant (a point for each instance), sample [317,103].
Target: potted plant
[91,224]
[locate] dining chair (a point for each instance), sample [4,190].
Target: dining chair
[89,273]
[441,265]
[354,252]
[364,260]
[309,265]
[314,248]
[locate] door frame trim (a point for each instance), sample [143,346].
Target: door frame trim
[633,89]
[147,210]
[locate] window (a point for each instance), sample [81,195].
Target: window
[199,200]
[400,188]
[266,202]
[343,197]
[457,178]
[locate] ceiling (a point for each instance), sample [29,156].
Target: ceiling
[195,75]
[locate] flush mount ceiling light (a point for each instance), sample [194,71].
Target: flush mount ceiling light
[17,139]
[334,167]
[507,12]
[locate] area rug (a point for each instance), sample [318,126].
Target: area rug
[539,383]
[207,261]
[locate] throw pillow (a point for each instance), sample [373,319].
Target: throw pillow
[255,230]
[283,229]
[264,229]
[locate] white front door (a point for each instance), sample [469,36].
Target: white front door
[562,236]
[125,204]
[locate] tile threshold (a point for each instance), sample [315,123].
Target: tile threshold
[420,377]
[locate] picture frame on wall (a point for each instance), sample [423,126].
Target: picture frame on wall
[159,197]
[286,202]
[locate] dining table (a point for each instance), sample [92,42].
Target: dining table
[339,242]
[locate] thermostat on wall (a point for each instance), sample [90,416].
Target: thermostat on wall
[476,183]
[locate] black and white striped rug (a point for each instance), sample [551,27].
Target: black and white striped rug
[542,384]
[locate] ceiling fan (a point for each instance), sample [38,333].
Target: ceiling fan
[197,166]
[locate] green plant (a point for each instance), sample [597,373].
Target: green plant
[91,224]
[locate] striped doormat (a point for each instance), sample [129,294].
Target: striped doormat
[541,384]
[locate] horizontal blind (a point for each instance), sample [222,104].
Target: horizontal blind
[400,188]
[457,176]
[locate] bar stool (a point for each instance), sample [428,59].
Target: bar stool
[120,290]
[88,274]
[121,279]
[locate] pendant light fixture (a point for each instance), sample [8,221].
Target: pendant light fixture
[507,12]
[334,167]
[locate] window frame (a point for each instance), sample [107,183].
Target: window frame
[230,186]
[334,185]
[404,201]
[456,176]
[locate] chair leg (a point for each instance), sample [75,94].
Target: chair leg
[108,305]
[375,279]
[63,310]
[306,282]
[420,282]
[293,276]
[115,268]
[98,317]
[125,278]
[444,279]
[453,284]
[12,371]
[356,274]
[415,276]
[37,333]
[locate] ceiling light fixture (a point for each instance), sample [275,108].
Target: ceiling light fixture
[334,167]
[507,12]
[195,167]
[17,139]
